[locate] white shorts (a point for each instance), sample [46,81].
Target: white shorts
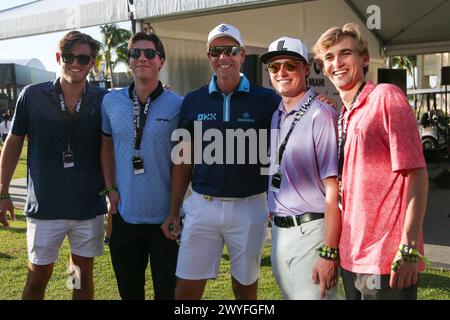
[293,257]
[45,237]
[208,224]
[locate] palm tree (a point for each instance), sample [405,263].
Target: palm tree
[406,62]
[115,43]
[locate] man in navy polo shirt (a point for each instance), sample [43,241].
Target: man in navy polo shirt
[228,204]
[61,120]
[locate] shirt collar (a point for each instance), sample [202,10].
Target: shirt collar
[54,89]
[308,92]
[244,84]
[368,88]
[155,93]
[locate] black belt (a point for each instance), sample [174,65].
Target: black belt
[288,221]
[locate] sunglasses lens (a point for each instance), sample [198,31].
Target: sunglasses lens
[215,51]
[67,58]
[83,59]
[273,67]
[149,53]
[135,53]
[228,50]
[290,65]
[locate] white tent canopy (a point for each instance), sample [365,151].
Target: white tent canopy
[46,16]
[410,26]
[407,26]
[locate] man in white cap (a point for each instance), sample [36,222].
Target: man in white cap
[303,190]
[228,204]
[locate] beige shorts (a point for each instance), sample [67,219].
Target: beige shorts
[211,223]
[45,237]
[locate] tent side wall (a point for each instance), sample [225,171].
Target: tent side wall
[187,66]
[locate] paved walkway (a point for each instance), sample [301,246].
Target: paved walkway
[436,225]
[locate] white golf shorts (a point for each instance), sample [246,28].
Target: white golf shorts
[45,237]
[240,223]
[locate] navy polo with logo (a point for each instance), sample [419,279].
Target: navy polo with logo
[249,107]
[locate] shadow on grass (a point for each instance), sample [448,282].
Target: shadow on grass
[17,230]
[265,261]
[6,256]
[434,280]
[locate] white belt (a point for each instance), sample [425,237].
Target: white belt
[211,198]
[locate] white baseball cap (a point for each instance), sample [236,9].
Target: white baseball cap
[286,46]
[225,30]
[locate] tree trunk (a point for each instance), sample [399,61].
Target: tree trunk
[111,75]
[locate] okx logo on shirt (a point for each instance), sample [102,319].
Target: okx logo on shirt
[207,116]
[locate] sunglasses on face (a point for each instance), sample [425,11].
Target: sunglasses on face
[82,59]
[228,50]
[149,53]
[290,65]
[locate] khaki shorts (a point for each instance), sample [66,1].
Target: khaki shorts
[45,237]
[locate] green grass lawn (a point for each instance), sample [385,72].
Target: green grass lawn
[21,169]
[435,284]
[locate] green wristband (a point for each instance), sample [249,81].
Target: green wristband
[5,196]
[107,190]
[328,253]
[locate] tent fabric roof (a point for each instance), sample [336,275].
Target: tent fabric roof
[407,26]
[46,16]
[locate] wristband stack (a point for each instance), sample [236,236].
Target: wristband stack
[107,190]
[328,253]
[5,196]
[407,254]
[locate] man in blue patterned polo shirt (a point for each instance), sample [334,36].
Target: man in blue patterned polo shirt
[137,125]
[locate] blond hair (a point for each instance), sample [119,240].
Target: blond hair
[334,35]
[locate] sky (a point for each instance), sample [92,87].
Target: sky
[42,47]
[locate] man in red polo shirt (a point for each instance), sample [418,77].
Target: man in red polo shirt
[384,181]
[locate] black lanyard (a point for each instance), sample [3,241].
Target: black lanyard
[342,129]
[140,116]
[68,119]
[298,115]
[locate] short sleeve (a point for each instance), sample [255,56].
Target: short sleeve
[20,118]
[404,139]
[106,124]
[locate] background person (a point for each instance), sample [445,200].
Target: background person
[136,145]
[62,122]
[384,181]
[303,190]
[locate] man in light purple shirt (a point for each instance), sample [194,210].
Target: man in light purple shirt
[303,190]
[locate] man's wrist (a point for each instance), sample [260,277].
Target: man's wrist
[108,190]
[328,253]
[4,195]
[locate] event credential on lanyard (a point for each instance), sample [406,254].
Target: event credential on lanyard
[139,124]
[68,156]
[275,184]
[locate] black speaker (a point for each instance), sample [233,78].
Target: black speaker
[445,76]
[394,76]
[443,179]
[252,68]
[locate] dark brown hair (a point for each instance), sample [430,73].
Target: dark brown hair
[74,38]
[148,37]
